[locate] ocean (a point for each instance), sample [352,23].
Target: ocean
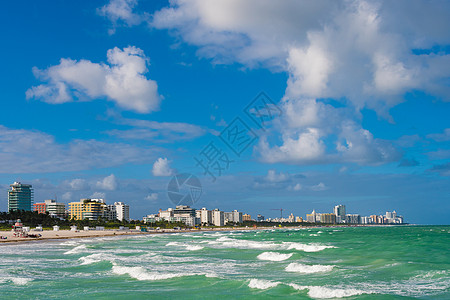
[398,262]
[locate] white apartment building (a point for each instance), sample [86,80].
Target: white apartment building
[122,211]
[218,217]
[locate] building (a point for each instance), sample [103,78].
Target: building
[291,218]
[185,214]
[260,218]
[206,217]
[40,208]
[352,219]
[20,197]
[328,218]
[246,217]
[122,211]
[299,219]
[366,220]
[53,208]
[218,217]
[233,217]
[90,209]
[339,211]
[166,214]
[109,212]
[312,217]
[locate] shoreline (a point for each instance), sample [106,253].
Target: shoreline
[49,235]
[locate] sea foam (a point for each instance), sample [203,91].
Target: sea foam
[307,247]
[307,269]
[140,273]
[262,284]
[20,280]
[320,292]
[274,256]
[77,249]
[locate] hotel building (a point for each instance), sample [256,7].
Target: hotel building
[20,197]
[51,207]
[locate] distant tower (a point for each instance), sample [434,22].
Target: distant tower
[339,211]
[20,197]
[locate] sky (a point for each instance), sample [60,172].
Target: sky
[294,105]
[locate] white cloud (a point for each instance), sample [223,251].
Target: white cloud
[305,146]
[319,187]
[357,52]
[358,49]
[122,81]
[272,176]
[161,167]
[157,131]
[108,183]
[98,195]
[295,188]
[151,197]
[77,184]
[25,151]
[120,11]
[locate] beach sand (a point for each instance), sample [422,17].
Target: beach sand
[67,234]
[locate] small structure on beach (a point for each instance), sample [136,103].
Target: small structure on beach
[18,229]
[56,228]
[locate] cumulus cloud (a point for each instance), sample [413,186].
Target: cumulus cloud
[151,197]
[108,183]
[161,167]
[77,184]
[122,80]
[273,176]
[360,53]
[25,151]
[120,12]
[356,49]
[319,187]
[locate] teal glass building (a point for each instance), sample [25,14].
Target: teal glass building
[20,197]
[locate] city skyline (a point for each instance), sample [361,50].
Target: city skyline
[341,102]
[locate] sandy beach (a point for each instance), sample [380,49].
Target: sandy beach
[67,234]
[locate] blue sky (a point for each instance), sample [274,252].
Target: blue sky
[112,98]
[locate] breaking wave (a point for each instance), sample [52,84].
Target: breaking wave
[274,256]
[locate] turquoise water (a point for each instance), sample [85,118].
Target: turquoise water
[320,263]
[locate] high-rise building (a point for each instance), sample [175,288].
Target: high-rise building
[352,219]
[185,214]
[339,211]
[260,218]
[20,197]
[311,218]
[206,216]
[246,217]
[328,218]
[51,207]
[233,217]
[109,212]
[91,209]
[218,217]
[122,211]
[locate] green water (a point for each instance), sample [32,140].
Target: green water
[322,263]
